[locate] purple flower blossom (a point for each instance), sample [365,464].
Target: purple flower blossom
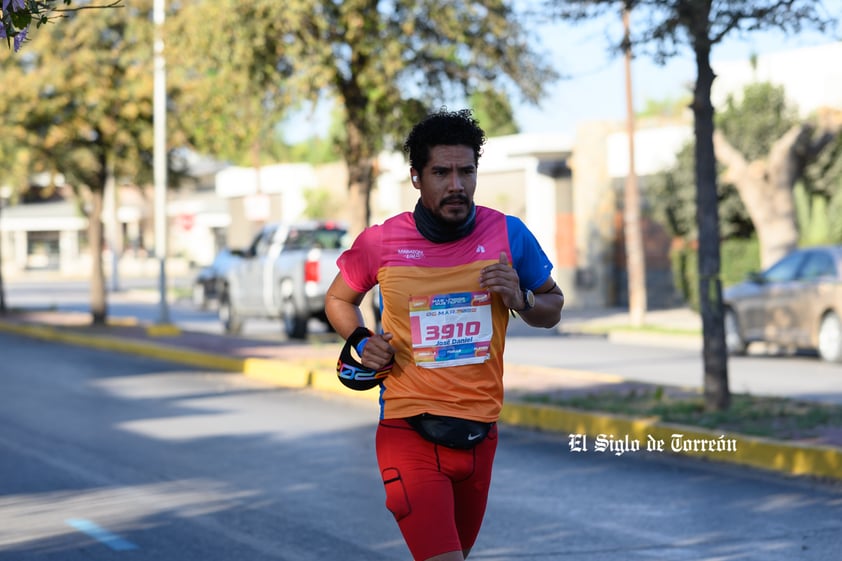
[20,37]
[17,5]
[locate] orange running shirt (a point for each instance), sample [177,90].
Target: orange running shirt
[448,332]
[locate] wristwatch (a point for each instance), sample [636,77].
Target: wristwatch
[528,300]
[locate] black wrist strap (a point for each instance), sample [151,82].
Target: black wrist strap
[351,371]
[358,335]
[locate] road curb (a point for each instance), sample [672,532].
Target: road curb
[152,350]
[618,433]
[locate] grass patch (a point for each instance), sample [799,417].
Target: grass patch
[651,329]
[181,292]
[751,415]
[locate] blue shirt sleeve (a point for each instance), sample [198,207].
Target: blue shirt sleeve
[531,263]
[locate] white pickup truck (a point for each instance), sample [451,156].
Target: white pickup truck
[284,274]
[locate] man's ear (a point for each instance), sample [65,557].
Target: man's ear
[413,173]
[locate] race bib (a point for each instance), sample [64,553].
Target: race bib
[451,329]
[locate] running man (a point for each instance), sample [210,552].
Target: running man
[450,273]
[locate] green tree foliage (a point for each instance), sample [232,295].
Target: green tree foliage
[494,110]
[89,114]
[672,202]
[320,205]
[14,173]
[670,196]
[740,256]
[752,121]
[822,197]
[229,77]
[314,150]
[767,185]
[755,119]
[664,108]
[666,27]
[16,20]
[386,64]
[835,209]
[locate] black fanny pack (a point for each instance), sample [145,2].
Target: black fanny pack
[450,431]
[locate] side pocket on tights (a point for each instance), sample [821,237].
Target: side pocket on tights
[396,499]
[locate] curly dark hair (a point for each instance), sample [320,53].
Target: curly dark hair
[449,128]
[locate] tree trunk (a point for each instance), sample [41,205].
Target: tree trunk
[359,195]
[767,196]
[99,312]
[715,358]
[635,253]
[359,158]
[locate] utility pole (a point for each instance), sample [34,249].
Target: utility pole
[112,222]
[159,119]
[2,285]
[635,253]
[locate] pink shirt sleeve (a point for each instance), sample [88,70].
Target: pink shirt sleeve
[359,264]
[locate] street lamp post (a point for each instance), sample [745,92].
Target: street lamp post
[160,157]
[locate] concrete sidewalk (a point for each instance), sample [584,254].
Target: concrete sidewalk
[674,327]
[312,365]
[680,320]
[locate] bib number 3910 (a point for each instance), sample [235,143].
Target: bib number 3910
[451,329]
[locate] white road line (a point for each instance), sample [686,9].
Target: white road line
[100,534]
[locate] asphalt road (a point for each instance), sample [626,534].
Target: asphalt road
[660,362]
[655,360]
[108,456]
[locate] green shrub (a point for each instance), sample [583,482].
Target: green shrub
[684,273]
[738,257]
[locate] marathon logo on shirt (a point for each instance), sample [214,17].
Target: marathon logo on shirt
[413,254]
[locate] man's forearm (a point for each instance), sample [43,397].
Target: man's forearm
[344,316]
[546,312]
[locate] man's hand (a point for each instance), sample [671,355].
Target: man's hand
[503,279]
[377,352]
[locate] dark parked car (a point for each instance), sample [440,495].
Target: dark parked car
[796,303]
[210,283]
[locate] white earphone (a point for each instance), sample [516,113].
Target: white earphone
[415,178]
